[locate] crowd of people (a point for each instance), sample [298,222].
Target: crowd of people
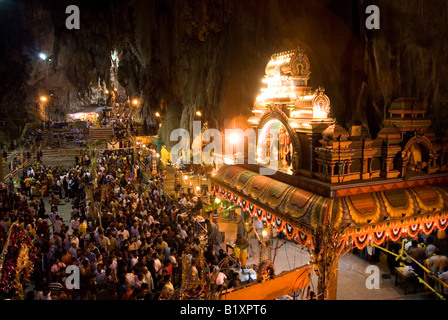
[127,238]
[421,252]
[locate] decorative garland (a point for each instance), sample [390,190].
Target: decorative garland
[298,235]
[359,236]
[17,262]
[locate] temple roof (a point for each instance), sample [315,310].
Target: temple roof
[406,105]
[391,134]
[359,215]
[335,131]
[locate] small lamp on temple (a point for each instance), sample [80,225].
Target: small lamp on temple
[43,98]
[198,113]
[157,115]
[135,102]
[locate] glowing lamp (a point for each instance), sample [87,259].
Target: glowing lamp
[43,56]
[43,99]
[264,233]
[157,114]
[198,188]
[135,102]
[234,138]
[217,201]
[198,113]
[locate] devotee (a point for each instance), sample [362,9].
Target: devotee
[137,247]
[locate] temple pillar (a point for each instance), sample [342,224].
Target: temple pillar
[365,166]
[325,259]
[332,290]
[319,167]
[389,164]
[349,164]
[340,168]
[331,165]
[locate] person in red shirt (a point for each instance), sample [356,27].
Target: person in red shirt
[128,294]
[167,267]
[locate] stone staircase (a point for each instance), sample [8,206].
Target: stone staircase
[59,152]
[102,134]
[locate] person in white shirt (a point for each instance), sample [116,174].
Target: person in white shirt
[183,233]
[103,242]
[130,278]
[149,279]
[221,279]
[75,240]
[134,260]
[150,220]
[74,224]
[123,232]
[57,225]
[157,264]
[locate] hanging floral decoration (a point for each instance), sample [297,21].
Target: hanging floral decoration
[16,262]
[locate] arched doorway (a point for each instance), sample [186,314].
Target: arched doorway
[285,157]
[420,156]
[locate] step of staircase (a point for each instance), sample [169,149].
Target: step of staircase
[101,133]
[59,152]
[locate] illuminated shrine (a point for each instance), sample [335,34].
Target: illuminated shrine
[336,182]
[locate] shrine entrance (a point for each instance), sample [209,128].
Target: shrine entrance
[277,144]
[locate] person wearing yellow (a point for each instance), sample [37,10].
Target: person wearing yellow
[240,251]
[28,186]
[31,230]
[50,179]
[82,229]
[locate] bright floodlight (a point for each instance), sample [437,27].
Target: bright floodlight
[43,56]
[234,138]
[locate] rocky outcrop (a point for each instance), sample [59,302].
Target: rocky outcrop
[211,54]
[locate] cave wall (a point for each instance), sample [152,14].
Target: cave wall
[211,54]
